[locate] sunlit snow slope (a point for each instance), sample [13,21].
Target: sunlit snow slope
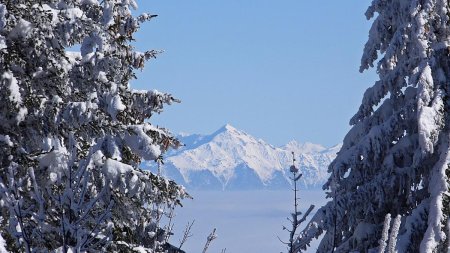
[230,159]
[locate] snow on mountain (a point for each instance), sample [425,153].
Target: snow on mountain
[230,159]
[304,148]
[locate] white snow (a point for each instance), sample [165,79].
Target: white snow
[2,43]
[2,245]
[394,233]
[428,122]
[21,30]
[102,77]
[108,14]
[306,147]
[140,249]
[115,105]
[6,139]
[89,2]
[385,233]
[113,169]
[56,161]
[73,13]
[14,89]
[141,143]
[69,250]
[437,187]
[23,111]
[2,16]
[47,8]
[229,148]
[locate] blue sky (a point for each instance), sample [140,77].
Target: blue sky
[279,70]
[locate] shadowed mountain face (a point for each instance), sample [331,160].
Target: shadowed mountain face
[230,159]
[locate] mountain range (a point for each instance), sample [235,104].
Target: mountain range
[230,159]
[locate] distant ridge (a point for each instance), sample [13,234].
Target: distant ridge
[230,159]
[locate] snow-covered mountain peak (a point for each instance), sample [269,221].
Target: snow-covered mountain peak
[226,149]
[232,159]
[228,130]
[228,127]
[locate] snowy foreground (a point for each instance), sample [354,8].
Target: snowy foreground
[246,221]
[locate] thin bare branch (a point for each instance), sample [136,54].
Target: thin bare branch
[187,233]
[210,238]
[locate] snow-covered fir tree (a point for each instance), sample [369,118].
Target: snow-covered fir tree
[73,133]
[395,160]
